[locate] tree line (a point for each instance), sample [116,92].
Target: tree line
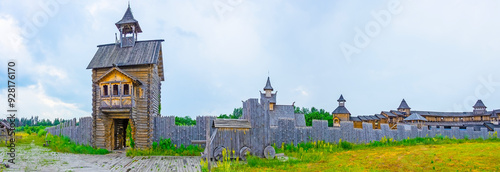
[35,121]
[188,121]
[309,115]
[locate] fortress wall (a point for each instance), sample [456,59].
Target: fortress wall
[285,132]
[165,128]
[81,134]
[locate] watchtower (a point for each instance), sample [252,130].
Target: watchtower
[126,84]
[340,113]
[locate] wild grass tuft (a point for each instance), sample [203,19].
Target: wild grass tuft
[64,144]
[165,147]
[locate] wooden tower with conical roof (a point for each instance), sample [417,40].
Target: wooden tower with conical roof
[340,113]
[403,107]
[126,84]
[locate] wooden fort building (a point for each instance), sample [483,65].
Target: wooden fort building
[479,117]
[126,84]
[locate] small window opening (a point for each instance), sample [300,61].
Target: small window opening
[105,90]
[115,89]
[126,89]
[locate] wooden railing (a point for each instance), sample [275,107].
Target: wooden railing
[117,102]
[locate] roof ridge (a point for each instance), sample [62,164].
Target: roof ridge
[151,40]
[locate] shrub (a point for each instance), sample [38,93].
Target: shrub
[42,133]
[345,145]
[132,143]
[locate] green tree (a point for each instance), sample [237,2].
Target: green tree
[184,121]
[237,113]
[314,113]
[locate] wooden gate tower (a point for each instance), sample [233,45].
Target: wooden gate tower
[126,84]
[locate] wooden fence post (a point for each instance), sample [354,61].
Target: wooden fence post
[208,142]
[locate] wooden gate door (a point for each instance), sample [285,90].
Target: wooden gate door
[120,133]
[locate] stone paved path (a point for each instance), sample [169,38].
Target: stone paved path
[37,158]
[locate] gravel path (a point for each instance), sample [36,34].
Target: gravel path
[30,157]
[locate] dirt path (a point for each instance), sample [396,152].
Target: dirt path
[37,158]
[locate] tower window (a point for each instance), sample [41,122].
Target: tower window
[115,89]
[105,90]
[126,89]
[271,106]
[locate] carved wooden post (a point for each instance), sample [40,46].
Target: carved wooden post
[208,142]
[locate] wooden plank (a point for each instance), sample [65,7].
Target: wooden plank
[232,123]
[198,141]
[208,144]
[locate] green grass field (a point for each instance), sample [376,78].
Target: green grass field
[448,157]
[422,154]
[57,144]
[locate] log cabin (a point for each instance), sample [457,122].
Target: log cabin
[126,84]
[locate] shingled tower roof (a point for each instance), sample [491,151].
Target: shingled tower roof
[341,99]
[479,104]
[403,105]
[268,85]
[341,109]
[415,117]
[128,20]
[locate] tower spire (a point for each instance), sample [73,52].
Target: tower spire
[268,88]
[341,100]
[128,27]
[403,107]
[268,85]
[479,108]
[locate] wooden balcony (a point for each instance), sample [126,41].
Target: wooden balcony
[110,102]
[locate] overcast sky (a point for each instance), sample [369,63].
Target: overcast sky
[438,55]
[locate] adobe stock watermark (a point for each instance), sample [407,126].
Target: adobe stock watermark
[39,19]
[372,29]
[222,7]
[484,90]
[11,111]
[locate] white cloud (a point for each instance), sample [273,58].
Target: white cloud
[13,46]
[212,64]
[303,91]
[32,100]
[51,71]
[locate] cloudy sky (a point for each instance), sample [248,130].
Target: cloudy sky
[438,55]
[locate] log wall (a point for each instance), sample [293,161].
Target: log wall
[287,133]
[81,134]
[165,128]
[145,107]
